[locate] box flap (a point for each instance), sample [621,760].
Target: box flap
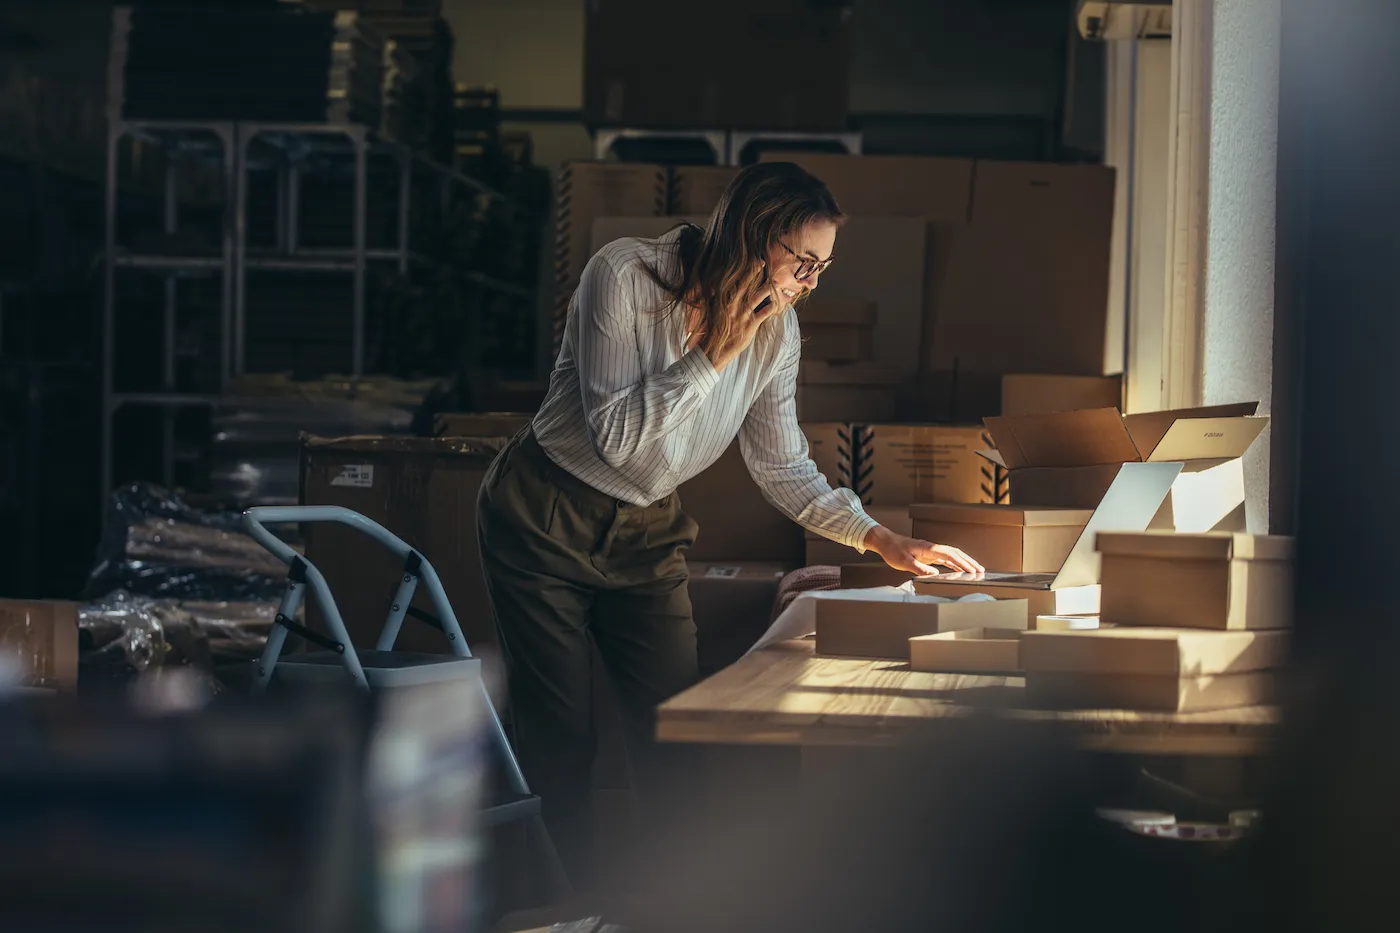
[999,514]
[1063,439]
[1148,428]
[1209,546]
[992,456]
[1129,505]
[830,310]
[1208,438]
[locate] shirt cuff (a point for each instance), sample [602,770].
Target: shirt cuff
[861,527]
[698,369]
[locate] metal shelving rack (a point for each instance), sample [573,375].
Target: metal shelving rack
[178,139]
[297,142]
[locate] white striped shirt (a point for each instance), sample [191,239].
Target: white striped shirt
[633,414]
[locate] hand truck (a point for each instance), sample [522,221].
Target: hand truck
[383,666]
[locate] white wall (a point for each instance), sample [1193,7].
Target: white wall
[1237,345]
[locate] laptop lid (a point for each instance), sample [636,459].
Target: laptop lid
[1129,505]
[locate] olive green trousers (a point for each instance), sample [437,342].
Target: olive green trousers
[569,568]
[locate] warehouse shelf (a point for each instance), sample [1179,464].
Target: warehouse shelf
[314,260]
[295,151]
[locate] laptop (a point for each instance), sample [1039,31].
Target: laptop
[1129,505]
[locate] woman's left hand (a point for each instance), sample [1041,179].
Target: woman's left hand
[915,556]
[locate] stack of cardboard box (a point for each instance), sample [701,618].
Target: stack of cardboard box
[1097,476]
[1076,474]
[1199,623]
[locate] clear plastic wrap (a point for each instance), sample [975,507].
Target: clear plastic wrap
[156,545]
[138,634]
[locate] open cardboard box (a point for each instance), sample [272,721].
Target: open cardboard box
[968,651]
[1132,499]
[853,623]
[1071,459]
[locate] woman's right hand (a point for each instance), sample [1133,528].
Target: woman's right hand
[744,317]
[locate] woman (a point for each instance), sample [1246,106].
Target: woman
[673,346]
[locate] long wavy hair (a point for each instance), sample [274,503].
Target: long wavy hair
[765,203]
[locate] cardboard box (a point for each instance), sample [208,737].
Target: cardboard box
[870,628]
[1028,539]
[1031,394]
[823,552]
[1149,694]
[1026,285]
[837,330]
[41,635]
[900,464]
[492,424]
[882,260]
[958,397]
[736,522]
[696,189]
[1208,581]
[586,191]
[1016,262]
[829,444]
[1151,669]
[1153,652]
[872,573]
[970,651]
[1067,624]
[1136,494]
[643,67]
[847,392]
[421,489]
[1068,458]
[732,604]
[608,229]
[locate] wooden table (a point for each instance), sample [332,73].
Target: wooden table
[786,695]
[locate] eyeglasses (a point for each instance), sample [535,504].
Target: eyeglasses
[806,268]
